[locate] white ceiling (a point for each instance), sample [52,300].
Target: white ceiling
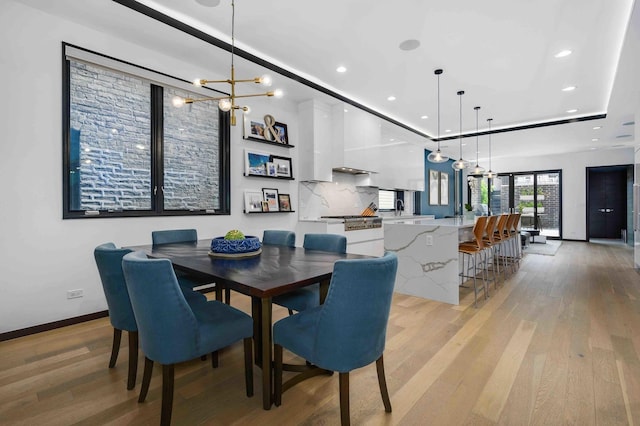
[501,53]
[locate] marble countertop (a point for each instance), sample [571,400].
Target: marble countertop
[452,222]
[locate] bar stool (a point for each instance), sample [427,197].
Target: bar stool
[510,236]
[473,249]
[500,240]
[491,245]
[517,246]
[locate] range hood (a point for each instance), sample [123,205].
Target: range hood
[350,170]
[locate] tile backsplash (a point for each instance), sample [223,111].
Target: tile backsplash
[340,197]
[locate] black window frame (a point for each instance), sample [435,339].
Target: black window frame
[157,154]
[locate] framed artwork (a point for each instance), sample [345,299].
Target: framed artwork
[434,187]
[252,201]
[284,202]
[265,206]
[444,189]
[283,134]
[255,163]
[282,166]
[253,129]
[270,195]
[271,169]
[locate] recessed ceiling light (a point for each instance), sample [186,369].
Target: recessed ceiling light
[571,111]
[424,117]
[597,127]
[208,3]
[341,69]
[448,131]
[391,98]
[629,123]
[569,88]
[593,148]
[562,53]
[409,44]
[346,110]
[595,140]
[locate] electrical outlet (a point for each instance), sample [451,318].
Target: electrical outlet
[429,240]
[73,294]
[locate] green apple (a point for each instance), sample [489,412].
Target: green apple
[234,234]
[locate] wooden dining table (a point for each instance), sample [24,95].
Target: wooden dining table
[276,270]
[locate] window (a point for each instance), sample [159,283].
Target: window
[386,199]
[129,152]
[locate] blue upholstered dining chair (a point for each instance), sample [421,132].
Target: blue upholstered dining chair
[308,297]
[348,331]
[172,330]
[170,236]
[279,238]
[109,262]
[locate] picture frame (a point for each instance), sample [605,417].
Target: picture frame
[271,169]
[253,201]
[434,187]
[255,163]
[284,202]
[270,195]
[265,206]
[283,166]
[283,133]
[253,129]
[444,189]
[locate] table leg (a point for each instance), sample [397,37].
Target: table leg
[261,312]
[324,289]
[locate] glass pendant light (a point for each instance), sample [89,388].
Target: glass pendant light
[490,174]
[437,156]
[477,171]
[460,164]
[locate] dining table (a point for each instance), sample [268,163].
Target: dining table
[275,270]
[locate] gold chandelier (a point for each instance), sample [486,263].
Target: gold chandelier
[228,103]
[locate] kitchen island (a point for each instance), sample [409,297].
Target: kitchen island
[428,261]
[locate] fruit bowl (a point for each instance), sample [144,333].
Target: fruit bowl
[249,244]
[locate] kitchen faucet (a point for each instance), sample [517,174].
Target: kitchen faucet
[398,211]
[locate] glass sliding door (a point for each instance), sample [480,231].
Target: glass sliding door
[535,195]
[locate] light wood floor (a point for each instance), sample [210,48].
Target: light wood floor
[556,344]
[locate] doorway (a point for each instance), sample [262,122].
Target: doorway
[607,200]
[536,195]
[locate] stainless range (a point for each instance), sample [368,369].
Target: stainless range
[355,223]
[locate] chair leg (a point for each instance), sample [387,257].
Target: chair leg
[383,385]
[115,347]
[167,395]
[133,359]
[277,375]
[146,379]
[345,418]
[227,296]
[290,312]
[214,359]
[248,366]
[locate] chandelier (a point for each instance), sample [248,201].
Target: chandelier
[460,164]
[438,156]
[477,171]
[228,102]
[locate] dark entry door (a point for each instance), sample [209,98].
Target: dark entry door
[607,202]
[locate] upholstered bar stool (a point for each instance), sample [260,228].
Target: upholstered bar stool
[500,237]
[491,246]
[475,250]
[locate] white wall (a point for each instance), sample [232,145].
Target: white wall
[574,185]
[43,256]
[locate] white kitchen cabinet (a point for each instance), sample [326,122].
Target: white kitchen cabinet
[368,242]
[315,144]
[356,138]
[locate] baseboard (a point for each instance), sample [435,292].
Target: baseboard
[51,325]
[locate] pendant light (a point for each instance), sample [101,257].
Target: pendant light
[437,156]
[490,174]
[460,164]
[477,171]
